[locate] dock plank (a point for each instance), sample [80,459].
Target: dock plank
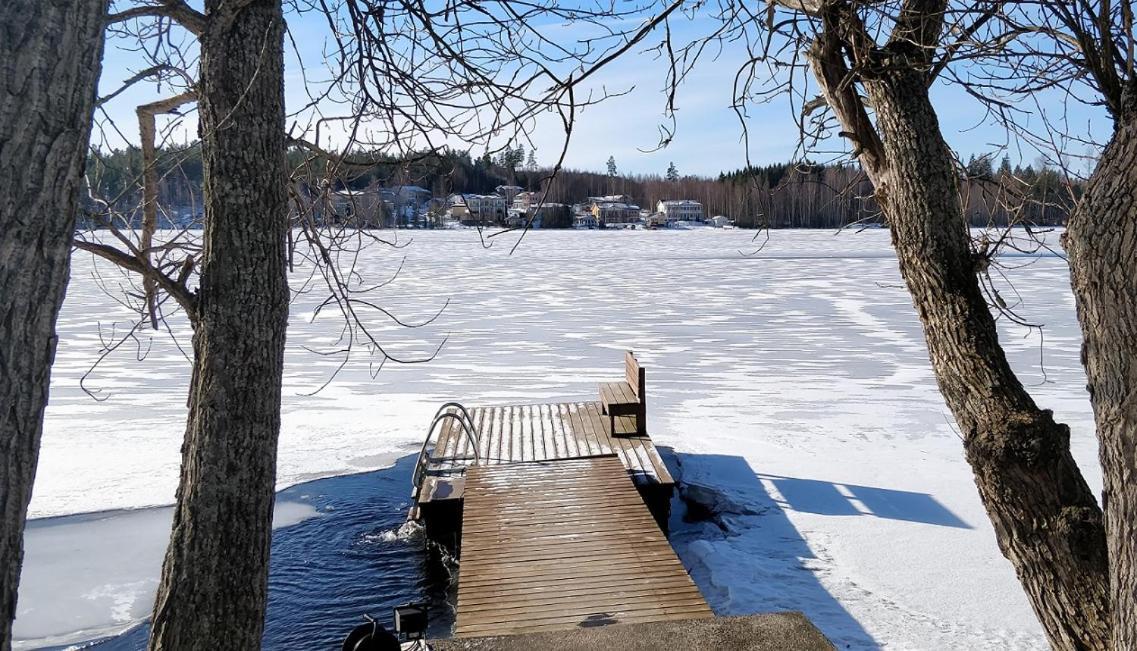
[556,545]
[539,433]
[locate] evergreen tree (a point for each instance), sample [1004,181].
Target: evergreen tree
[672,172]
[979,167]
[1005,166]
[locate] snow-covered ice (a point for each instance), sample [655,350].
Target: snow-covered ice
[793,384]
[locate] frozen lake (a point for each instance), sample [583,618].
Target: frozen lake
[793,380]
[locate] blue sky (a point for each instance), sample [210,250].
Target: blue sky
[708,138]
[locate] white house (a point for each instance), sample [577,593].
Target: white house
[490,207]
[680,210]
[614,209]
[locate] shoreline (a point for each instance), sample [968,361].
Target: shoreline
[91,577]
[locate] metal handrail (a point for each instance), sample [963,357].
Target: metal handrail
[466,421]
[467,424]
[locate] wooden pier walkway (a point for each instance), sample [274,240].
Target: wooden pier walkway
[565,543]
[543,432]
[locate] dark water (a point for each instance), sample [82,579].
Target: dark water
[327,571]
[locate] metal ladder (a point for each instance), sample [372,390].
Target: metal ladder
[426,453]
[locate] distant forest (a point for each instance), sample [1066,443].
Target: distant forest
[783,195]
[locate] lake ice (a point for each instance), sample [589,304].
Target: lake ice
[792,382]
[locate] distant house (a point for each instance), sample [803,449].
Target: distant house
[478,209]
[408,193]
[407,203]
[359,208]
[614,209]
[720,221]
[680,210]
[508,192]
[523,201]
[458,209]
[584,220]
[526,209]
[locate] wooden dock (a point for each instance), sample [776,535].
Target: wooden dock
[562,543]
[543,432]
[557,513]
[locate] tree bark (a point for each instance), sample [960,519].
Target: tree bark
[1102,243]
[1046,519]
[214,578]
[50,58]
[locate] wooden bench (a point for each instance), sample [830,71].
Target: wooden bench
[626,399]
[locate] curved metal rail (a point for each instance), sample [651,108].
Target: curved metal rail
[424,458]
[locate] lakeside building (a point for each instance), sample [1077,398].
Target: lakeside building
[457,208]
[470,209]
[720,221]
[407,204]
[681,210]
[523,201]
[508,192]
[527,205]
[360,208]
[584,220]
[546,215]
[614,209]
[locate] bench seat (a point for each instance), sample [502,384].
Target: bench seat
[620,400]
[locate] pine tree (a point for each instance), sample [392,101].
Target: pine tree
[672,172]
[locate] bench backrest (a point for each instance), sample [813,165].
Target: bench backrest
[635,375]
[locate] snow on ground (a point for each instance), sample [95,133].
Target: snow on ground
[792,382]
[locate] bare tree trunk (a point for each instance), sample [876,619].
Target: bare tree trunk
[1102,242]
[50,58]
[1046,519]
[214,579]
